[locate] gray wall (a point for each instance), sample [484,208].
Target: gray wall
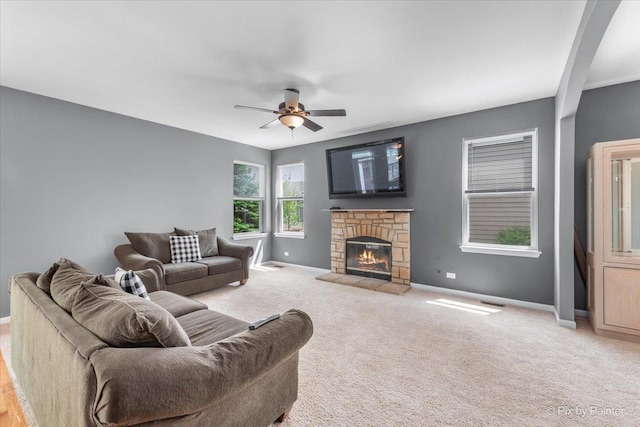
[73,179]
[434,182]
[605,114]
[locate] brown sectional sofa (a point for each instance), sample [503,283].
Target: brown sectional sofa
[146,250]
[228,376]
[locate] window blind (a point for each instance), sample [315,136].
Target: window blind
[493,213]
[500,165]
[291,181]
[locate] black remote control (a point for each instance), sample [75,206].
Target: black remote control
[256,325]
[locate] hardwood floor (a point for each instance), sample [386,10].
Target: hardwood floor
[10,411]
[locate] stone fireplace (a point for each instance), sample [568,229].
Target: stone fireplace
[372,242]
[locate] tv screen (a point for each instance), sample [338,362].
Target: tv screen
[367,170]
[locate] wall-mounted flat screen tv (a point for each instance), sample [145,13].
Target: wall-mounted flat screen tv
[375,169]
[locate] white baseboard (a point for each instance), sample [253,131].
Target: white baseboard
[571,324]
[482,297]
[464,294]
[4,320]
[582,313]
[501,300]
[288,264]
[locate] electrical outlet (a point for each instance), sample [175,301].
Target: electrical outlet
[451,275]
[286,254]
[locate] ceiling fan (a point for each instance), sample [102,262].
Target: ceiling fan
[292,114]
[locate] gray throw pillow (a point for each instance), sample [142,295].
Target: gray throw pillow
[124,320]
[44,280]
[207,238]
[66,281]
[152,245]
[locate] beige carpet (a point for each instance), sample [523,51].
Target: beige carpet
[385,360]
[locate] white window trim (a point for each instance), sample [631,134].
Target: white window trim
[245,236]
[262,198]
[507,250]
[291,235]
[278,217]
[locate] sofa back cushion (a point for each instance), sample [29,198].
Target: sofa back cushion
[124,320]
[207,239]
[152,245]
[65,282]
[44,280]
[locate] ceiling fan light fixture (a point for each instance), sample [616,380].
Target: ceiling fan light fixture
[291,121]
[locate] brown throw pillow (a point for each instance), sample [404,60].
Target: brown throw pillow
[65,282]
[124,320]
[44,280]
[207,238]
[152,245]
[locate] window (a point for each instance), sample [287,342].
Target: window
[500,196]
[290,200]
[248,197]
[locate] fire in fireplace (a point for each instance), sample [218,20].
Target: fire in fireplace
[369,256]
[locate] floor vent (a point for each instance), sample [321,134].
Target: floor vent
[492,303]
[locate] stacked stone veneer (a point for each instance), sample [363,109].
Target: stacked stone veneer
[392,226]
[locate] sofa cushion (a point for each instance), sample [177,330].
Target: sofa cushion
[206,327]
[221,264]
[66,281]
[175,273]
[44,280]
[207,238]
[124,320]
[184,249]
[176,304]
[152,245]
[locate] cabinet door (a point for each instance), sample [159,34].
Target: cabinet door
[622,297]
[622,203]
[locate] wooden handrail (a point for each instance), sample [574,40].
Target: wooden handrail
[581,259]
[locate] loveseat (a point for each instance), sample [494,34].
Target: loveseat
[222,375]
[222,262]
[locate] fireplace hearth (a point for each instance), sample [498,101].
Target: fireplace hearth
[368,256]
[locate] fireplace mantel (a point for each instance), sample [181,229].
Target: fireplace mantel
[367,210]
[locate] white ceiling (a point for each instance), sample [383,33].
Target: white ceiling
[388,63]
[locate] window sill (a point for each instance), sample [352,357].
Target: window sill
[526,253]
[246,236]
[290,235]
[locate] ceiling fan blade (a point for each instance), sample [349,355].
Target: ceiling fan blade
[327,112]
[291,98]
[311,125]
[244,107]
[270,124]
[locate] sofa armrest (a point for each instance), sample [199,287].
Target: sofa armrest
[191,378]
[152,278]
[131,259]
[242,252]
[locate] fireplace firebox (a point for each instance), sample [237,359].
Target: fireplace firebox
[369,257]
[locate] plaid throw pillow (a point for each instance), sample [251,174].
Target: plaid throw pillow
[131,283]
[185,248]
